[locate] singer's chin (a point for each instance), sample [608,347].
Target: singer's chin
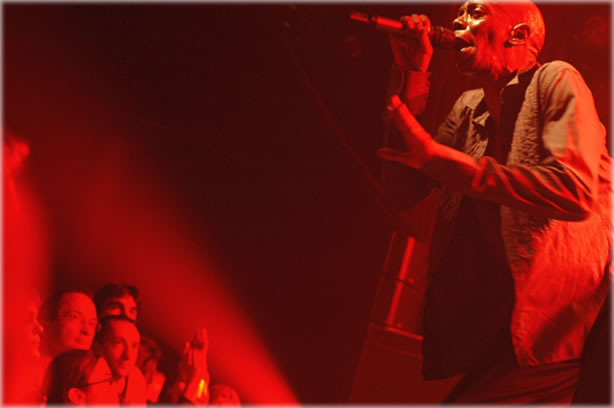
[466,60]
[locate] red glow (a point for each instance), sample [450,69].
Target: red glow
[128,232]
[25,273]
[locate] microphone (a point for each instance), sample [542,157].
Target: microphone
[441,37]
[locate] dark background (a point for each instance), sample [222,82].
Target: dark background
[258,124]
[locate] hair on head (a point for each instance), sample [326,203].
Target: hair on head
[68,370]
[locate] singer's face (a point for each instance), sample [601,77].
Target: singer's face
[483,33]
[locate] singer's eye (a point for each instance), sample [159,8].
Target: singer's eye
[477,11]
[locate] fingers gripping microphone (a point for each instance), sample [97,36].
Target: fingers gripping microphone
[441,37]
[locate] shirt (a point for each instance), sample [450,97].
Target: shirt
[135,388]
[550,178]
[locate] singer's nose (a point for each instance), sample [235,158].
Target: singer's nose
[459,23]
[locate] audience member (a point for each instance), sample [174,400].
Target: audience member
[117,299]
[22,350]
[192,385]
[128,372]
[79,377]
[147,361]
[69,321]
[118,340]
[221,394]
[33,329]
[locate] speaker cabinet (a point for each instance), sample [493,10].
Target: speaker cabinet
[390,366]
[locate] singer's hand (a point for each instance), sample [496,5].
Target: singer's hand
[413,54]
[420,144]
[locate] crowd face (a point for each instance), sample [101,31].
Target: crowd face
[33,329]
[483,33]
[125,305]
[146,362]
[75,325]
[99,389]
[120,347]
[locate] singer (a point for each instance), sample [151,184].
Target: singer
[520,249]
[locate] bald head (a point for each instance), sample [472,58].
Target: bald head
[524,12]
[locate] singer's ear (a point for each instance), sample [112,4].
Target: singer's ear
[519,34]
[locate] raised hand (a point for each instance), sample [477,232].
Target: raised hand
[418,141]
[409,53]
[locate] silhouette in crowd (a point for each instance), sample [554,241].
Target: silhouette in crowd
[521,242]
[221,394]
[118,341]
[79,377]
[22,337]
[24,273]
[117,299]
[70,373]
[192,383]
[193,380]
[147,361]
[69,321]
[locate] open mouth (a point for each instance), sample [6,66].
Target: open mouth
[461,44]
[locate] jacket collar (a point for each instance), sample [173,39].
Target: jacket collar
[478,102]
